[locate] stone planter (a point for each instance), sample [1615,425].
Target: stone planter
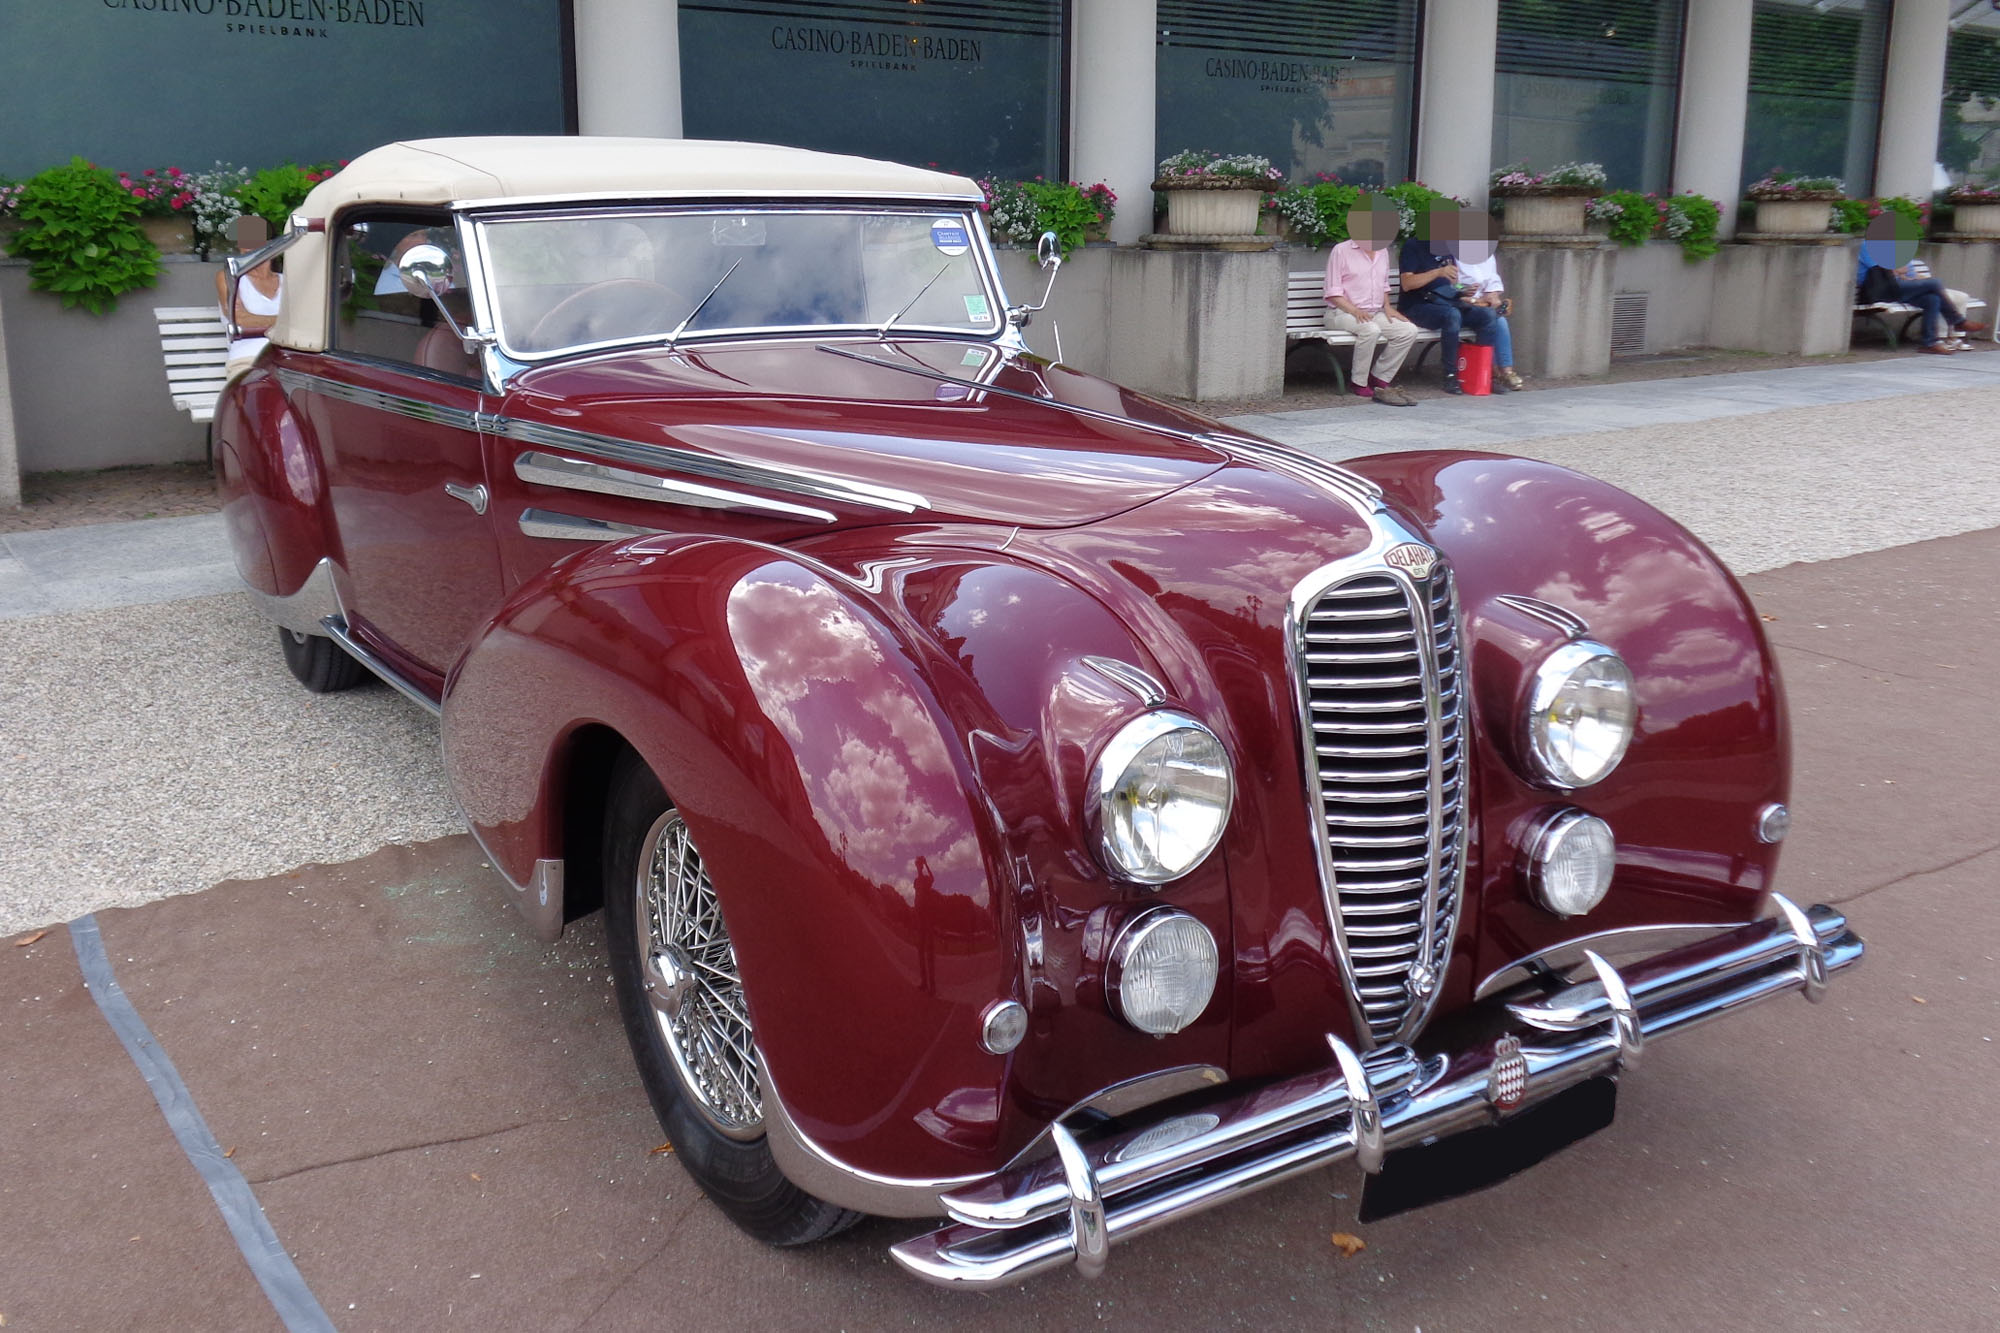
[170,236]
[1794,217]
[1543,215]
[1976,219]
[1213,212]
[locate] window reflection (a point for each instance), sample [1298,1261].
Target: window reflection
[1816,89]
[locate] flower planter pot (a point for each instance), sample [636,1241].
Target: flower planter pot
[170,236]
[1213,212]
[1976,219]
[1544,215]
[1797,217]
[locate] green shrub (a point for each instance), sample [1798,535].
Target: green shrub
[275,193]
[1628,217]
[1692,220]
[82,238]
[1020,211]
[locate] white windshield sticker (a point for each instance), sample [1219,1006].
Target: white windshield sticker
[949,236]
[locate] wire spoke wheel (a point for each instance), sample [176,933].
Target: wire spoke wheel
[692,984]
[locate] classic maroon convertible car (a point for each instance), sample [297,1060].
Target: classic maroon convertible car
[1012,799]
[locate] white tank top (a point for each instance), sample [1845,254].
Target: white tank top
[250,301]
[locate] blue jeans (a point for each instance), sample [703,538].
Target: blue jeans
[1449,318]
[1927,295]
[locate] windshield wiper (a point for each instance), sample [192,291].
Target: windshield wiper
[681,327]
[890,322]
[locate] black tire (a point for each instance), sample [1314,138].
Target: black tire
[320,664]
[710,1105]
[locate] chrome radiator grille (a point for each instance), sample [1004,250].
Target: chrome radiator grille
[1379,669]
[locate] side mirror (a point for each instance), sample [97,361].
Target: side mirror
[1048,254]
[425,271]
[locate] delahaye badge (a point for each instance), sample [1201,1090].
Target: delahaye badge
[1412,559]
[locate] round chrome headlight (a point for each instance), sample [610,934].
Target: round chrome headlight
[1159,797]
[1570,866]
[1162,971]
[1581,713]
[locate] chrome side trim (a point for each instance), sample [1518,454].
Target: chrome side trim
[1570,625]
[540,900]
[336,626]
[306,610]
[824,1176]
[792,481]
[1149,692]
[414,408]
[1244,1139]
[577,474]
[576,528]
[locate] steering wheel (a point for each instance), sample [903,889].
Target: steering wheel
[607,310]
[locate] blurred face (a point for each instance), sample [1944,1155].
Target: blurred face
[1439,226]
[1475,238]
[1372,222]
[1891,234]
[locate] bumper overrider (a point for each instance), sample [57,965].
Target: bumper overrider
[1069,1207]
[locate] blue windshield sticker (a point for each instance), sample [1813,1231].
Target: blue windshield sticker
[975,309]
[950,237]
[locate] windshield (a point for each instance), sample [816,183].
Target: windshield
[560,283]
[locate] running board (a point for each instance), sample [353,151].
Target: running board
[336,628]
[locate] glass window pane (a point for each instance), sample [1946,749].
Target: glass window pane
[1589,83]
[1816,89]
[1969,126]
[974,86]
[1314,85]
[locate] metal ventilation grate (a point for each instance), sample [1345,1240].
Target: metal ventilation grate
[1628,323]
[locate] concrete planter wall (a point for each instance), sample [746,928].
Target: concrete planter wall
[1793,217]
[170,236]
[1543,215]
[1976,219]
[1213,212]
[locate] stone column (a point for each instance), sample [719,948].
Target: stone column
[1715,100]
[1112,77]
[1913,82]
[628,67]
[1455,109]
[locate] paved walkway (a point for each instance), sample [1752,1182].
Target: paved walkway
[1889,452]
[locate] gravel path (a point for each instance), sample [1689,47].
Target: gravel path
[158,749]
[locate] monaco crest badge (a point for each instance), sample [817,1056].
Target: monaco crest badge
[1413,559]
[1507,1083]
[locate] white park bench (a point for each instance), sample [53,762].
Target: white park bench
[1897,320]
[195,343]
[1305,316]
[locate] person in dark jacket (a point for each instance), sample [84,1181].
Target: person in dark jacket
[1430,288]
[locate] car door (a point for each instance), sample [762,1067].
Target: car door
[396,409]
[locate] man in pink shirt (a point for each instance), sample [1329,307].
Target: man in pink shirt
[1357,301]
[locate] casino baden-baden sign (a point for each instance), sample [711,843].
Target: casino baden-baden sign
[153,83]
[875,48]
[286,18]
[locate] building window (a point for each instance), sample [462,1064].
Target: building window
[1969,123]
[1816,89]
[1314,85]
[1589,83]
[973,86]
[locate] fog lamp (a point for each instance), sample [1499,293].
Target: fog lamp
[1162,971]
[1571,863]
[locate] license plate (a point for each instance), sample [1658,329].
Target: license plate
[1479,1158]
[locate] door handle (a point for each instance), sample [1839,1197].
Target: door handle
[472,495]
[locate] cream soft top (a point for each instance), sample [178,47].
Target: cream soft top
[498,169]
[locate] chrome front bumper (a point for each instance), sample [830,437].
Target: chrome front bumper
[1068,1208]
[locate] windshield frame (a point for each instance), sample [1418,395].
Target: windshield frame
[480,268]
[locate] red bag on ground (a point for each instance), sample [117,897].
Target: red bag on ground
[1475,368]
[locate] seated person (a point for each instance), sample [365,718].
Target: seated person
[1890,244]
[1430,288]
[1916,271]
[1479,284]
[1357,294]
[258,293]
